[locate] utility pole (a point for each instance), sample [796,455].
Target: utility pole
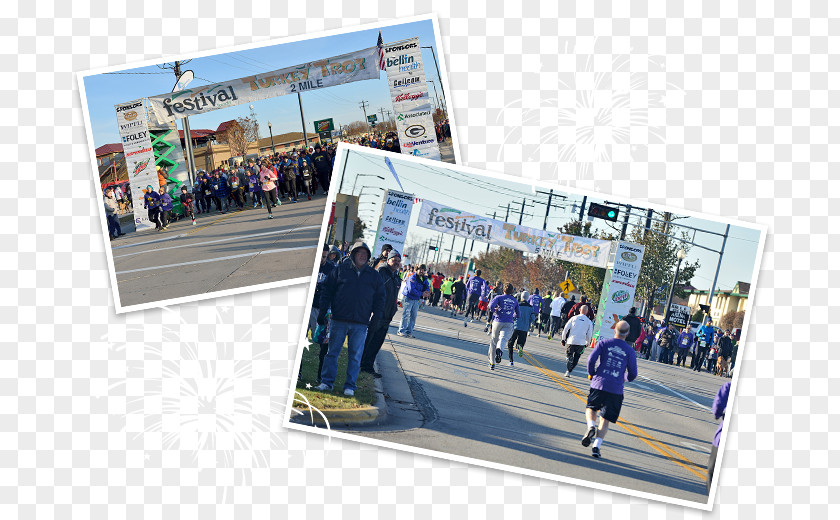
[451,249]
[363,105]
[190,156]
[717,271]
[382,113]
[488,243]
[582,208]
[547,208]
[647,221]
[389,114]
[626,220]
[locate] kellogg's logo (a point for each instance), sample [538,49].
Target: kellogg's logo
[409,97]
[628,256]
[131,115]
[620,296]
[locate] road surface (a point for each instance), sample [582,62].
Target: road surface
[442,396]
[234,250]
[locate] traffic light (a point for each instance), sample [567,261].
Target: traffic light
[604,212]
[433,248]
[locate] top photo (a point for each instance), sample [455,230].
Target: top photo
[210,164]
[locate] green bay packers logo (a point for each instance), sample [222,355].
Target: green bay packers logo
[415,131]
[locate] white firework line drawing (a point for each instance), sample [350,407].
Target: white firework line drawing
[586,134]
[205,391]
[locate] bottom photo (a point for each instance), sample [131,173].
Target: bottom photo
[524,326]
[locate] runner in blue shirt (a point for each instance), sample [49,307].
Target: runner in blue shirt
[614,357]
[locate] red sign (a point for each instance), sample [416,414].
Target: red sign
[332,215]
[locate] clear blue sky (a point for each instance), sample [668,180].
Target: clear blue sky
[484,195]
[340,102]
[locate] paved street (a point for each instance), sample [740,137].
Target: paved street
[442,396]
[237,249]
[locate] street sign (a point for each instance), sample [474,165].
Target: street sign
[567,286]
[372,118]
[324,125]
[679,315]
[325,135]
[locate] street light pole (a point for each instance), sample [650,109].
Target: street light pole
[302,123]
[443,91]
[272,137]
[680,256]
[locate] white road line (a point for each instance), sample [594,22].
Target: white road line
[148,242]
[706,408]
[217,241]
[267,251]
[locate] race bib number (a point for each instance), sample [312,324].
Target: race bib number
[685,341]
[207,192]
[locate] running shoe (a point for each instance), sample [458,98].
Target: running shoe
[400,334]
[309,197]
[596,452]
[486,327]
[270,215]
[520,352]
[550,336]
[492,366]
[511,363]
[323,387]
[568,374]
[193,222]
[465,323]
[498,355]
[587,439]
[350,393]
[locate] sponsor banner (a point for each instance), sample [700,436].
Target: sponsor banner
[328,72]
[619,288]
[324,125]
[588,251]
[679,315]
[410,98]
[393,225]
[456,222]
[139,156]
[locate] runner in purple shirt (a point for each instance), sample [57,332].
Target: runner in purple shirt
[613,357]
[719,409]
[503,311]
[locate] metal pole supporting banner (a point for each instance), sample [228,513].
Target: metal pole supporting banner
[302,123]
[547,208]
[671,295]
[451,248]
[582,208]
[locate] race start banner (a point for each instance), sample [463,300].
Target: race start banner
[570,248]
[139,156]
[328,72]
[619,289]
[393,224]
[410,97]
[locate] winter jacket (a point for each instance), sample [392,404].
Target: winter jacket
[641,339]
[719,409]
[706,333]
[321,162]
[110,206]
[545,306]
[576,309]
[685,340]
[446,286]
[526,312]
[254,185]
[392,281]
[535,300]
[725,346]
[353,294]
[578,331]
[567,307]
[635,327]
[459,290]
[323,272]
[415,287]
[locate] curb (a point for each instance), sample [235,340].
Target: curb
[363,416]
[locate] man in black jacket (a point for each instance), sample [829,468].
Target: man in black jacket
[635,327]
[323,167]
[355,294]
[378,330]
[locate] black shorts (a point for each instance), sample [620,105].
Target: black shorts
[611,403]
[447,296]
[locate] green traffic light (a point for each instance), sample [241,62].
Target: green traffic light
[611,214]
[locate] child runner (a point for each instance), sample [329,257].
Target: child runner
[165,207]
[151,201]
[520,329]
[269,194]
[504,310]
[187,203]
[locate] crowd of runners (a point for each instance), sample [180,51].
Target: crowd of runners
[358,295]
[264,182]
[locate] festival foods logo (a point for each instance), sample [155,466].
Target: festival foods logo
[130,116]
[628,256]
[453,219]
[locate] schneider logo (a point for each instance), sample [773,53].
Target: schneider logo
[415,131]
[628,256]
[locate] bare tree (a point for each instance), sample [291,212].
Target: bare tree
[239,135]
[356,128]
